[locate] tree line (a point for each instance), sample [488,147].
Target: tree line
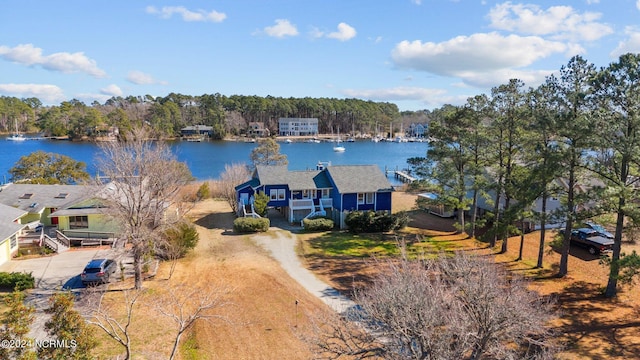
[576,137]
[227,115]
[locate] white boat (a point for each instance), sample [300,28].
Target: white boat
[339,148]
[17,136]
[288,141]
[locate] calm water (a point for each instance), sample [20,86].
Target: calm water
[207,159]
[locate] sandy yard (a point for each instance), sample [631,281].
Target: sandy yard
[260,320]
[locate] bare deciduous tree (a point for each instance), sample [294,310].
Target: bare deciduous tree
[463,307]
[104,315]
[145,182]
[185,304]
[233,176]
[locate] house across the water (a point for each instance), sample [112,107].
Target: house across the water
[331,191]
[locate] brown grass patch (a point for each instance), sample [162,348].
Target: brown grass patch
[261,320]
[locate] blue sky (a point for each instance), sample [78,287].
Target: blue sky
[419,54]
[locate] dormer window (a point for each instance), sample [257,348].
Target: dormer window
[26,196]
[62,196]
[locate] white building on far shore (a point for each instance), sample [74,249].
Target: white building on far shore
[297,126]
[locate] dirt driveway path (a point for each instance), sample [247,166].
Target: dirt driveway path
[283,248]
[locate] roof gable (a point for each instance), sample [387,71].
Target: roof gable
[8,224]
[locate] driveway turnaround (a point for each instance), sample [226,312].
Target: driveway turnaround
[282,248]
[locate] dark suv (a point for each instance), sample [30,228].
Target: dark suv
[98,271]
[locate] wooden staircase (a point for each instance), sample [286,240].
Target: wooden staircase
[54,244]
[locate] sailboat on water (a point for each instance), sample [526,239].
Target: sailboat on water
[17,136]
[338,147]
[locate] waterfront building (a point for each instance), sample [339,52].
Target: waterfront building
[297,126]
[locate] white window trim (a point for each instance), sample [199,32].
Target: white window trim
[273,194]
[370,198]
[361,201]
[282,194]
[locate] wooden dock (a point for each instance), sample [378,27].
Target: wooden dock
[404,177]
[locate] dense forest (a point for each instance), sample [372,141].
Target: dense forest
[228,115]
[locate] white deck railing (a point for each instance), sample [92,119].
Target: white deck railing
[301,204]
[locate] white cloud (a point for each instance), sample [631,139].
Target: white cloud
[140,78]
[493,78]
[281,29]
[27,54]
[345,32]
[630,45]
[397,93]
[111,90]
[465,55]
[167,12]
[427,97]
[638,4]
[47,93]
[417,2]
[557,22]
[89,98]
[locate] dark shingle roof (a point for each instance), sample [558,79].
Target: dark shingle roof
[358,178]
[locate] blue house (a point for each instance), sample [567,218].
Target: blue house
[331,191]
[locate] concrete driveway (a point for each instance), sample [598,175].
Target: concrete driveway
[57,272]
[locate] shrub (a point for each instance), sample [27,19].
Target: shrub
[370,221]
[203,191]
[400,220]
[260,203]
[16,281]
[178,241]
[317,224]
[248,224]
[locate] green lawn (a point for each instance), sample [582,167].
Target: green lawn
[341,243]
